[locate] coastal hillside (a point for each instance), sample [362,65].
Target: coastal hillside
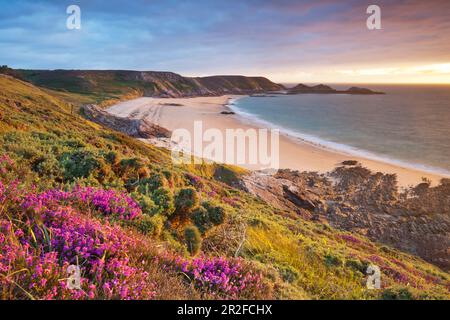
[115,85]
[73,192]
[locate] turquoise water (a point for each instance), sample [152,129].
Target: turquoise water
[409,125]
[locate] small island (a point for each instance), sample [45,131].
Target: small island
[324,89]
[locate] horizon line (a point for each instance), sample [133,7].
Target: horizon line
[243,75]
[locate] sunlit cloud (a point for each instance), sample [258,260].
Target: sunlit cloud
[443,68]
[372,72]
[439,68]
[288,41]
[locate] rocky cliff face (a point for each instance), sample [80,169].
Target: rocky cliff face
[354,198]
[149,83]
[136,128]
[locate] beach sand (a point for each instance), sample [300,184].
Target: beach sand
[295,154]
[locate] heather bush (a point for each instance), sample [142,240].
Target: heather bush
[193,239]
[219,277]
[39,244]
[288,273]
[108,202]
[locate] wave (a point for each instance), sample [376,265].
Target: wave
[298,136]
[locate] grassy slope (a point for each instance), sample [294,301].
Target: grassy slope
[109,86]
[300,259]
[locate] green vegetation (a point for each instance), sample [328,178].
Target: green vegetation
[193,239]
[193,209]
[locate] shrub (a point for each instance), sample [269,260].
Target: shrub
[133,163]
[193,239]
[207,216]
[108,202]
[186,201]
[221,277]
[53,234]
[397,293]
[216,213]
[155,181]
[145,202]
[288,273]
[79,164]
[47,166]
[201,220]
[129,171]
[112,158]
[164,201]
[357,265]
[151,225]
[332,260]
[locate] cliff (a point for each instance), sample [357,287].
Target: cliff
[147,83]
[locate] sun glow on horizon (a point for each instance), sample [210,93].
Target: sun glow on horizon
[435,73]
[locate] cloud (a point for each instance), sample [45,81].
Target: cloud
[210,37]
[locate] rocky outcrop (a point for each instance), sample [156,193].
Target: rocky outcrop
[137,128]
[323,89]
[355,199]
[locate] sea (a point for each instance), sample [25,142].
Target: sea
[407,126]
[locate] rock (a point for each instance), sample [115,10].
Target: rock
[349,163]
[323,89]
[133,127]
[300,199]
[172,104]
[416,221]
[357,90]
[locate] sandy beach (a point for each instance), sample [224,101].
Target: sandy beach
[293,153]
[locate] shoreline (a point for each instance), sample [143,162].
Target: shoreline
[295,153]
[340,148]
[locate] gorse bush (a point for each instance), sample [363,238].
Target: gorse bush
[193,239]
[208,216]
[216,213]
[147,205]
[186,201]
[151,225]
[79,164]
[164,200]
[153,182]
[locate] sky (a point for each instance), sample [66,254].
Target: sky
[286,41]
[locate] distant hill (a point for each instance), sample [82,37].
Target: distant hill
[302,88]
[112,84]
